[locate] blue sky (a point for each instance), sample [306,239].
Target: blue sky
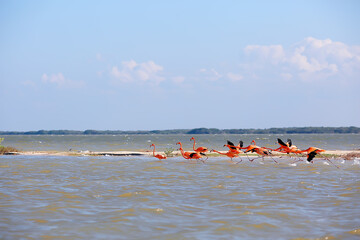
[145,65]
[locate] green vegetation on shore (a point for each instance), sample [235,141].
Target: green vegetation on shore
[5,150]
[289,130]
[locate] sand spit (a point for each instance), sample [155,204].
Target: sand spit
[346,154]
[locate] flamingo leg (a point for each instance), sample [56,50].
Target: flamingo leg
[202,160]
[250,160]
[205,156]
[256,158]
[296,156]
[273,159]
[239,161]
[299,160]
[328,160]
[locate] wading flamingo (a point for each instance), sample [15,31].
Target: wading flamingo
[186,155]
[199,149]
[158,156]
[191,155]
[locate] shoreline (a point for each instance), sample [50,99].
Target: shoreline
[334,153]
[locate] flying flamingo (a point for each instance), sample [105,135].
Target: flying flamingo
[199,149]
[158,156]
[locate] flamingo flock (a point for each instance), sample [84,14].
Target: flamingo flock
[199,154]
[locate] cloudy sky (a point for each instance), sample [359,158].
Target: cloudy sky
[145,65]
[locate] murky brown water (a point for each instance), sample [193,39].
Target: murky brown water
[44,197]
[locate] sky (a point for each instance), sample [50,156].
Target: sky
[155,65]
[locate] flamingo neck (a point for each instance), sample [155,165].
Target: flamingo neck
[154,151]
[182,151]
[194,145]
[219,152]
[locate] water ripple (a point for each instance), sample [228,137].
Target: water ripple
[90,197]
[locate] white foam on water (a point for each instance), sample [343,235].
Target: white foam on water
[326,163]
[356,162]
[293,164]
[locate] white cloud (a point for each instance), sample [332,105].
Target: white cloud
[99,57]
[311,59]
[273,53]
[54,78]
[210,75]
[59,80]
[131,71]
[178,79]
[286,76]
[29,83]
[234,77]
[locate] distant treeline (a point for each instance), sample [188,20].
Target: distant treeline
[290,130]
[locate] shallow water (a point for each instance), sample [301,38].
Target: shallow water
[163,142]
[140,198]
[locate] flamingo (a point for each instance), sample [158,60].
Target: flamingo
[190,155]
[259,150]
[287,147]
[186,155]
[312,152]
[229,154]
[284,147]
[199,149]
[233,148]
[158,156]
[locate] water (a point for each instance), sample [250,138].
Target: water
[163,142]
[67,197]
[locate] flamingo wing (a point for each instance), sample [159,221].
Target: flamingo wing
[201,149]
[311,156]
[230,143]
[289,142]
[281,142]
